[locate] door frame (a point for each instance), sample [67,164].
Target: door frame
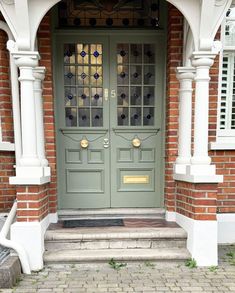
[71,35]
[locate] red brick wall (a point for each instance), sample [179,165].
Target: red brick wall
[196,201]
[174,59]
[45,50]
[224,159]
[32,203]
[7,159]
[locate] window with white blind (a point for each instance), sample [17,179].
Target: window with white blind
[226,107]
[227,95]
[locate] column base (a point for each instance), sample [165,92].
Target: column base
[202,239]
[179,168]
[199,174]
[31,176]
[31,236]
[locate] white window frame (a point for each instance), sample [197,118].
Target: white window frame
[4,145]
[225,138]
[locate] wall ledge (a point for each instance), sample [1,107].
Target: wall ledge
[7,146]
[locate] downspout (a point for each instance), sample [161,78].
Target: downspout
[11,244]
[15,97]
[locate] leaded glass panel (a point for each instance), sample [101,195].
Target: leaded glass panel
[136,84]
[83,81]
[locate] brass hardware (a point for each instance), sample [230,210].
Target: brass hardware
[136,179]
[106,94]
[84,143]
[136,142]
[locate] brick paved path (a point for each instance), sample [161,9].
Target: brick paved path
[135,277]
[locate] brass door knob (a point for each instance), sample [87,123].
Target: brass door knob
[136,142]
[84,143]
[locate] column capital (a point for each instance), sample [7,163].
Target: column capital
[26,58]
[203,58]
[185,72]
[39,72]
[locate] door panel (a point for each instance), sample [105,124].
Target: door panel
[109,99]
[84,159]
[135,179]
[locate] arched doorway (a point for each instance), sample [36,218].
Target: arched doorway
[110,96]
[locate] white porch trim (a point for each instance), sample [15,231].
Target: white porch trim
[226,228]
[31,236]
[202,240]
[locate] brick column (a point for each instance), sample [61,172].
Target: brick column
[196,213]
[174,59]
[32,203]
[32,222]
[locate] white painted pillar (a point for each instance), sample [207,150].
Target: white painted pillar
[26,63]
[185,76]
[202,62]
[39,75]
[30,169]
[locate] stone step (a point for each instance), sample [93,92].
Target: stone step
[115,238]
[117,213]
[74,256]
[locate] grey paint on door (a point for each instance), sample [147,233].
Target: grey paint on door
[109,97]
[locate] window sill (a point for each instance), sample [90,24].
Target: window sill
[7,146]
[222,145]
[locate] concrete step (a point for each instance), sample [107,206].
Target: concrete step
[74,256]
[117,213]
[113,238]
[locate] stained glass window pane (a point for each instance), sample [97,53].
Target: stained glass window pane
[71,117]
[123,96]
[135,116]
[136,53]
[149,74]
[69,53]
[83,97]
[136,74]
[83,75]
[70,98]
[69,75]
[84,117]
[149,94]
[123,116]
[82,53]
[136,95]
[122,53]
[149,54]
[123,75]
[96,54]
[96,97]
[97,117]
[148,116]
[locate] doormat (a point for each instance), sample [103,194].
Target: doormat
[93,223]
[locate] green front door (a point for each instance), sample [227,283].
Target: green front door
[109,115]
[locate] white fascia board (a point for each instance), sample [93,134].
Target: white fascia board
[226,228]
[222,145]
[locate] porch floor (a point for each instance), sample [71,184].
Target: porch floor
[128,223]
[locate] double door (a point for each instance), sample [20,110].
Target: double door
[109,116]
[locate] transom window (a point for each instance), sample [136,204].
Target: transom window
[109,13]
